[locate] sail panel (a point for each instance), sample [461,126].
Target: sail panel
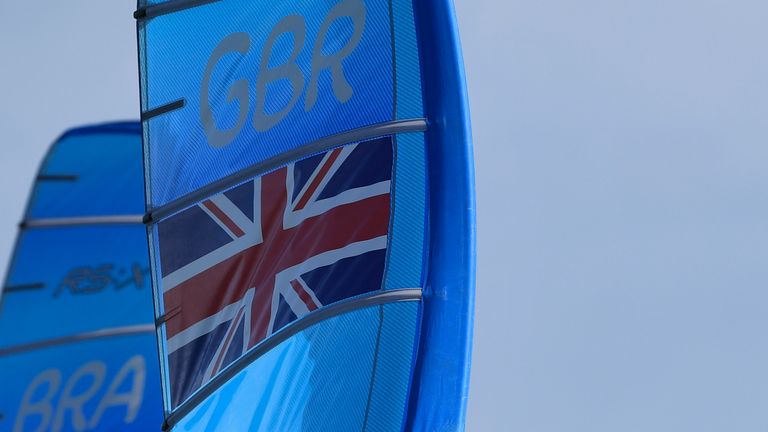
[77,345]
[235,111]
[96,384]
[409,220]
[68,273]
[407,85]
[348,373]
[237,267]
[67,173]
[260,79]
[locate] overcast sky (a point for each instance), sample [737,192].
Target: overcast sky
[622,184]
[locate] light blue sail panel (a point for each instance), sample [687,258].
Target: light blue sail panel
[77,346]
[69,273]
[84,158]
[348,373]
[105,384]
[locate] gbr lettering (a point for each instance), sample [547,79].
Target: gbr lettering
[43,403]
[239,91]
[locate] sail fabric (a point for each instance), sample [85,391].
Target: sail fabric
[264,78]
[306,394]
[243,264]
[77,345]
[289,215]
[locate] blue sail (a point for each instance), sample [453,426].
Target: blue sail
[77,344]
[310,213]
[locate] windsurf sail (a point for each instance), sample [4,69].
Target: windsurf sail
[310,212]
[77,345]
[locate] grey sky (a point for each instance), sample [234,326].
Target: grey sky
[623,198]
[622,194]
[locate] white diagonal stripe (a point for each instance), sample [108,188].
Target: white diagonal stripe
[311,293]
[327,258]
[316,208]
[207,325]
[253,236]
[216,219]
[235,214]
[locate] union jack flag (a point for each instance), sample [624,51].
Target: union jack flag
[242,264]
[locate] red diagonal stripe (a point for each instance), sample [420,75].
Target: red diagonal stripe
[219,213]
[303,295]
